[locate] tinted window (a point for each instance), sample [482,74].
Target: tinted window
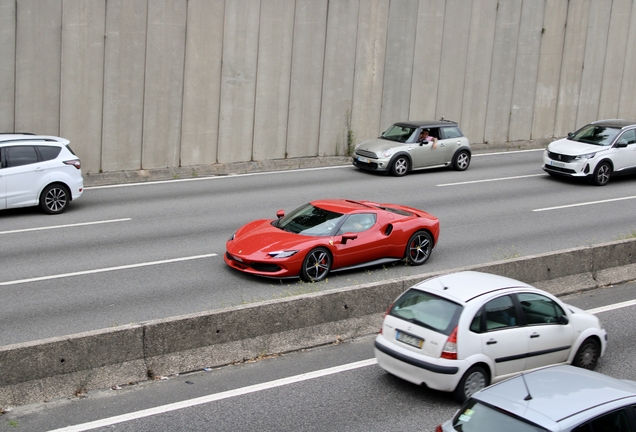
[500,313]
[310,220]
[628,137]
[357,223]
[616,421]
[427,310]
[20,155]
[599,135]
[451,132]
[49,152]
[539,309]
[475,416]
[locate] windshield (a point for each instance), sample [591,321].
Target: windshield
[398,133]
[427,310]
[597,135]
[475,416]
[311,221]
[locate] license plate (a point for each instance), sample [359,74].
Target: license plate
[557,164]
[409,340]
[363,160]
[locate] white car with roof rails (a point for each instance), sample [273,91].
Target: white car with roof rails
[462,331]
[38,170]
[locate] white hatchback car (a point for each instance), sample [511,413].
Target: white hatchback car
[462,331]
[38,170]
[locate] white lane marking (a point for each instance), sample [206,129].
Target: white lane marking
[490,180]
[107,269]
[64,226]
[252,389]
[214,177]
[611,307]
[216,397]
[584,204]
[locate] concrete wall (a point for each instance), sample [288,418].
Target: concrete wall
[64,366]
[151,84]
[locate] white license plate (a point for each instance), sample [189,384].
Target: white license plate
[409,340]
[557,164]
[363,160]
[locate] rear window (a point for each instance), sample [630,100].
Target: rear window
[427,310]
[475,416]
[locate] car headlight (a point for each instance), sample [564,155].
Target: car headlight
[282,254]
[585,156]
[387,152]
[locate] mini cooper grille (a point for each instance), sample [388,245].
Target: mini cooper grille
[561,157]
[366,153]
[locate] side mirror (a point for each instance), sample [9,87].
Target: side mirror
[570,134]
[621,145]
[563,320]
[280,214]
[348,236]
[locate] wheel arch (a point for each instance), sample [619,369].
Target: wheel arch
[463,148]
[581,340]
[402,153]
[56,182]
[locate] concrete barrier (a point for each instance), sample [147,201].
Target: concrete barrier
[72,365]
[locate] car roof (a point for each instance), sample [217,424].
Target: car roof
[426,123]
[615,123]
[20,137]
[556,393]
[344,205]
[467,285]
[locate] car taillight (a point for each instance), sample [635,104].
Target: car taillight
[450,347]
[385,314]
[75,162]
[439,428]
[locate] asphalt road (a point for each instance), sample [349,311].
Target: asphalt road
[331,388]
[131,253]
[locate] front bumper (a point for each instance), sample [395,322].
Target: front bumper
[277,270]
[370,164]
[572,168]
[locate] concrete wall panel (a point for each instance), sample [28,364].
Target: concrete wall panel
[337,89]
[369,69]
[38,54]
[202,82]
[272,79]
[163,93]
[627,105]
[503,71]
[238,80]
[398,67]
[526,70]
[615,58]
[7,66]
[427,59]
[478,67]
[572,67]
[83,29]
[453,61]
[594,61]
[124,65]
[550,58]
[303,126]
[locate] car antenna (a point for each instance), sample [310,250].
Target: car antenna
[529,396]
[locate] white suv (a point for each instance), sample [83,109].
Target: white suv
[38,170]
[462,331]
[597,151]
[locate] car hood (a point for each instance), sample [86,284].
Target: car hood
[573,148]
[377,145]
[262,236]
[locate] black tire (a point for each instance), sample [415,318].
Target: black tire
[461,160]
[400,166]
[602,174]
[419,248]
[54,199]
[316,265]
[475,379]
[587,355]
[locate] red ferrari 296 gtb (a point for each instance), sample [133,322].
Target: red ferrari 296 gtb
[331,235]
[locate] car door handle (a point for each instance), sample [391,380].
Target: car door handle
[38,168]
[534,335]
[491,342]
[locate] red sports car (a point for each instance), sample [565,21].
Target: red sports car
[330,235]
